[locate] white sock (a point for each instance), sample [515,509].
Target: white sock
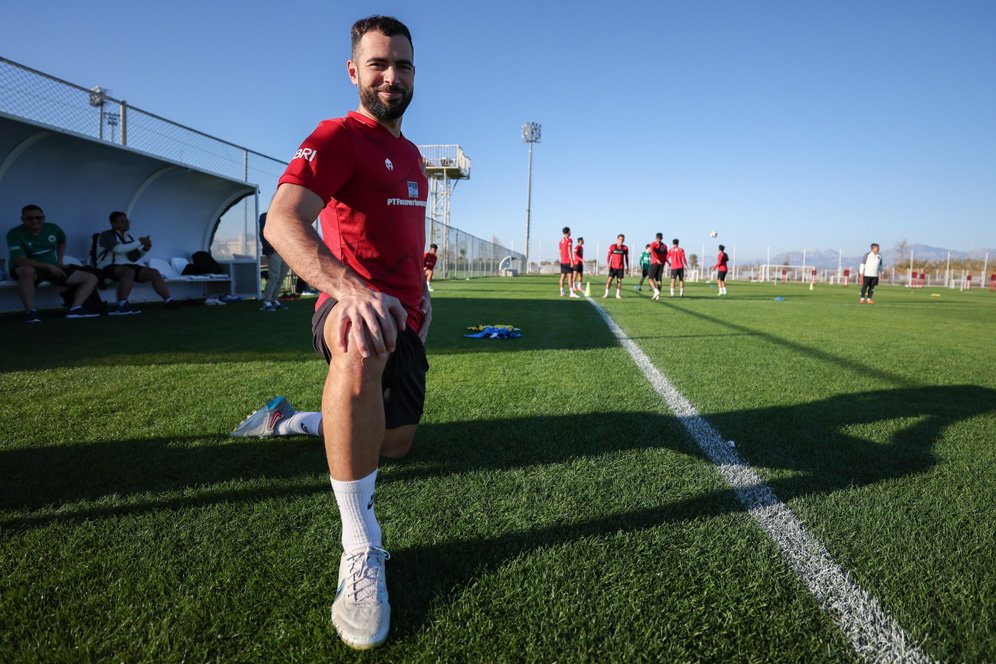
[356,510]
[672,291]
[305,423]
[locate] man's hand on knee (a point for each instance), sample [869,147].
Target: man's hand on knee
[368,323]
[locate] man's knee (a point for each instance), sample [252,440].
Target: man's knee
[27,273]
[350,365]
[82,278]
[398,442]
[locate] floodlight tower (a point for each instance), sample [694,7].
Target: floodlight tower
[530,134]
[445,165]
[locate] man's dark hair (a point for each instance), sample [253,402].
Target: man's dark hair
[660,236]
[580,240]
[434,246]
[566,230]
[674,241]
[722,248]
[874,244]
[30,207]
[388,25]
[116,214]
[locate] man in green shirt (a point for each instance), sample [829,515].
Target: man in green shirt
[644,266]
[36,252]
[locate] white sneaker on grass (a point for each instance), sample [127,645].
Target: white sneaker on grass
[261,423]
[361,613]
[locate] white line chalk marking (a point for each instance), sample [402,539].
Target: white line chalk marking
[875,636]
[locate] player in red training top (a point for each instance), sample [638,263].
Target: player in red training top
[367,184]
[429,265]
[721,266]
[658,257]
[567,262]
[618,260]
[578,266]
[676,257]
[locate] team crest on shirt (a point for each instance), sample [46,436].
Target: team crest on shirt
[412,189]
[389,164]
[51,238]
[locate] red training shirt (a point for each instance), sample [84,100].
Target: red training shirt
[374,187]
[721,261]
[565,250]
[658,252]
[579,253]
[676,257]
[429,260]
[618,255]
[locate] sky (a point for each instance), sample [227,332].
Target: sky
[781,125]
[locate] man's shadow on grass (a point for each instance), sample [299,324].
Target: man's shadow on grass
[829,444]
[826,444]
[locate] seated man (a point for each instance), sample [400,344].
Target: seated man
[36,253]
[116,255]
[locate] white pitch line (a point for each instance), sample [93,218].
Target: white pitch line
[873,633]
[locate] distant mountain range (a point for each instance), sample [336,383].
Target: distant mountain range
[827,258]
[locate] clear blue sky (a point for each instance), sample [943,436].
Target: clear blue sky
[785,124]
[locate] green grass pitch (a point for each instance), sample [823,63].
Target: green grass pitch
[552,509]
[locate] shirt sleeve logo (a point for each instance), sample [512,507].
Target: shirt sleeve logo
[308,154]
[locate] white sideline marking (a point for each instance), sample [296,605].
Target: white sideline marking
[875,636]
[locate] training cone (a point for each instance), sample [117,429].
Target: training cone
[587,289]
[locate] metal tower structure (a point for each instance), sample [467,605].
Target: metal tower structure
[531,132]
[445,165]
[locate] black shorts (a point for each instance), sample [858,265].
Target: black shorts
[645,271]
[616,272]
[565,268]
[656,271]
[108,271]
[678,274]
[403,381]
[43,277]
[721,275]
[579,268]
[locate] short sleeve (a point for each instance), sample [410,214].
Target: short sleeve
[60,235]
[325,161]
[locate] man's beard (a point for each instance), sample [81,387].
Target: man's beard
[390,111]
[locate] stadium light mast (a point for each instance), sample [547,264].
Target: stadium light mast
[530,134]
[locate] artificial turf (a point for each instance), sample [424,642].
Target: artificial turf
[551,510]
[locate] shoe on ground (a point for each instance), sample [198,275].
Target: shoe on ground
[605,296]
[214,302]
[871,301]
[618,296]
[574,295]
[32,316]
[656,296]
[361,613]
[861,301]
[261,423]
[124,310]
[430,289]
[267,306]
[277,306]
[80,312]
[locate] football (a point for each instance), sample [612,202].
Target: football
[713,234]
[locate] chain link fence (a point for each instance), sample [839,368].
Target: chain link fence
[33,95]
[464,256]
[36,96]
